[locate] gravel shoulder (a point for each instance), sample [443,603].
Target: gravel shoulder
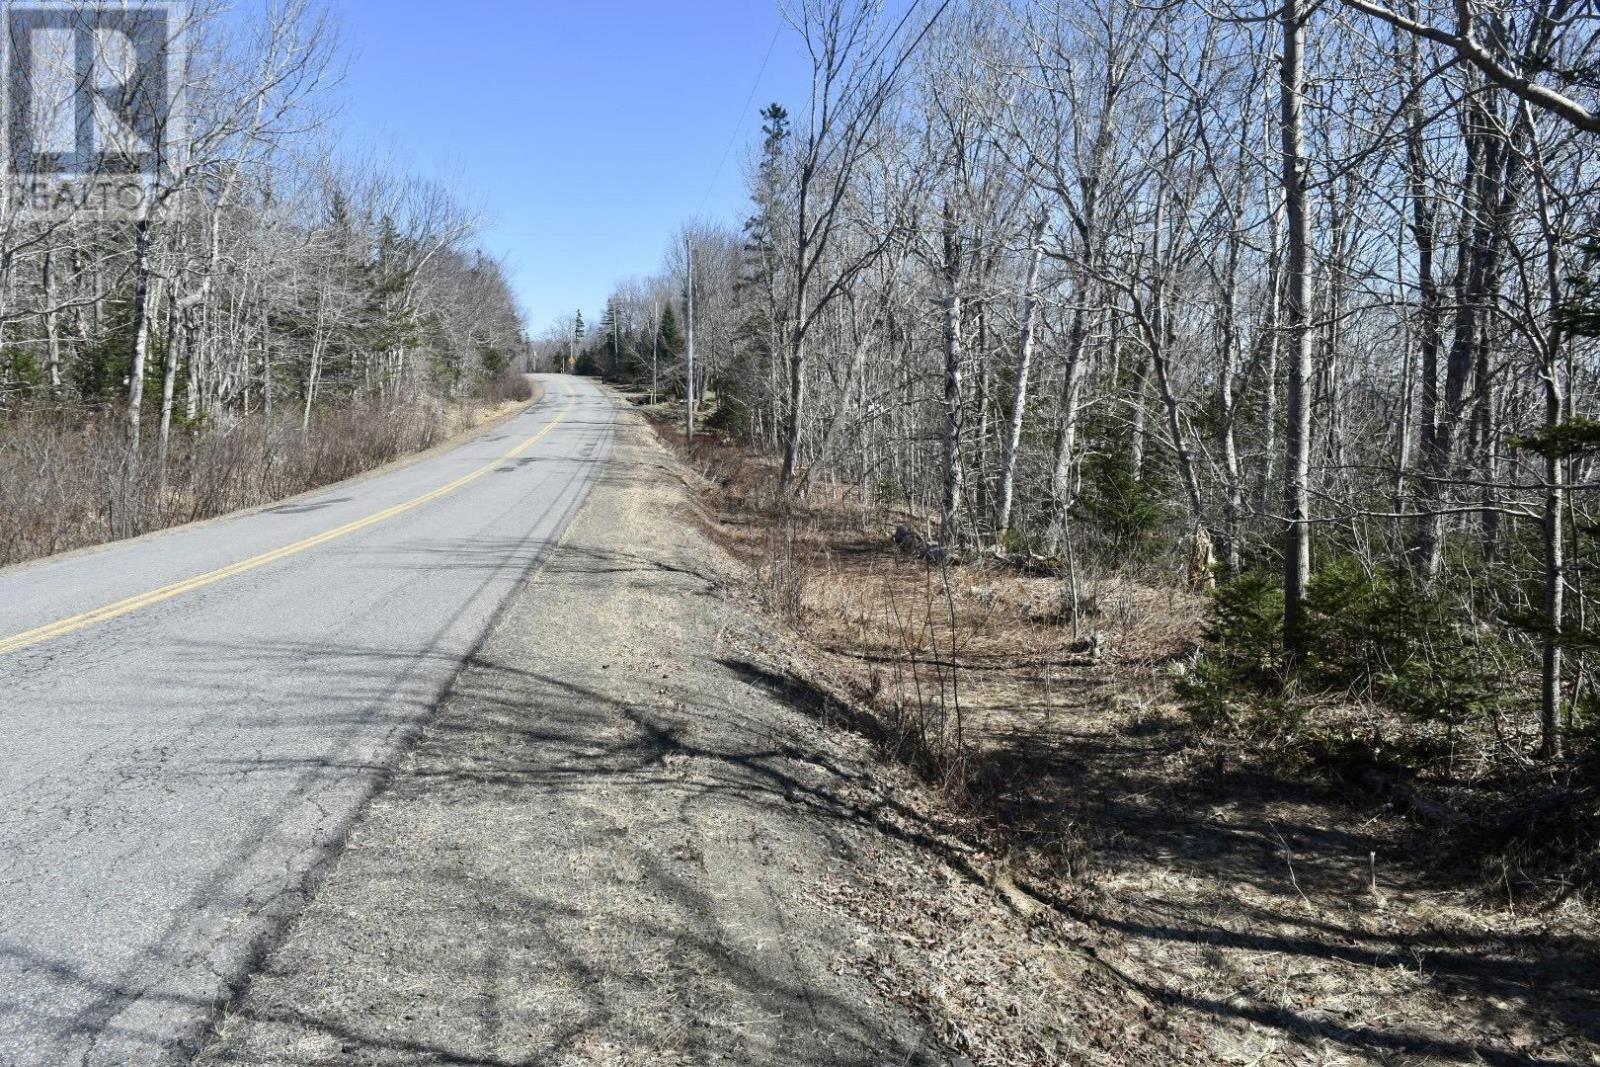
[620,840]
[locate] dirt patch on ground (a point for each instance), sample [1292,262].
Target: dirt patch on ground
[1121,873]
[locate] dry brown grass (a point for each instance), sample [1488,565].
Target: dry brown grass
[70,479]
[1279,915]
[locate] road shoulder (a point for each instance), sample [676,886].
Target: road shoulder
[607,846]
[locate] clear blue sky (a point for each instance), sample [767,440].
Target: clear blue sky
[586,132]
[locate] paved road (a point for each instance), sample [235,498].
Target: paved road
[189,724]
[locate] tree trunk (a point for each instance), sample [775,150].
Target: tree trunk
[1297,442]
[169,378]
[1141,402]
[1067,435]
[1557,384]
[52,328]
[141,330]
[1019,397]
[797,404]
[1555,578]
[1228,343]
[950,502]
[1269,365]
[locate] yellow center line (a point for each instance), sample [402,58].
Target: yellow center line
[73,623]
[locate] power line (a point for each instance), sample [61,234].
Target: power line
[739,125]
[888,42]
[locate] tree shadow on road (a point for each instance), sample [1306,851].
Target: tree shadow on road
[578,866]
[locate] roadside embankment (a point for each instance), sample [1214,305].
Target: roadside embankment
[72,480]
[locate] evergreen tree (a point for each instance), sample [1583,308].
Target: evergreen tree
[576,341]
[760,228]
[670,337]
[759,289]
[611,338]
[670,344]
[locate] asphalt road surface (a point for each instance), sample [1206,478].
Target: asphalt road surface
[190,723]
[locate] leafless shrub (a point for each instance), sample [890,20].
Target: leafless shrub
[511,387]
[71,479]
[779,580]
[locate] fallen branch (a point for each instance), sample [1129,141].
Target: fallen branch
[934,661]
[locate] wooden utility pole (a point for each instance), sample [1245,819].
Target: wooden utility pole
[689,348]
[616,340]
[655,346]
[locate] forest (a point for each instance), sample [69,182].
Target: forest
[1294,302]
[1090,560]
[280,312]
